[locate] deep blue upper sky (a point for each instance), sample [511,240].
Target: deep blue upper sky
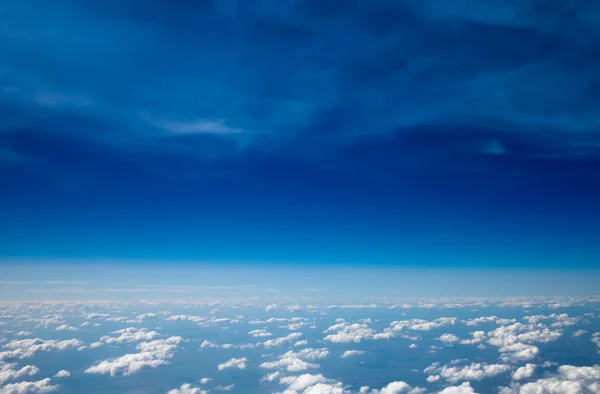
[392,132]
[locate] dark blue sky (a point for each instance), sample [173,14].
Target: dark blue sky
[419,133]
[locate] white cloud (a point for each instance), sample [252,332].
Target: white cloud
[8,373]
[303,342]
[260,333]
[479,320]
[239,363]
[567,380]
[400,388]
[351,353]
[23,348]
[62,374]
[349,333]
[280,341]
[579,333]
[524,372]
[66,327]
[40,386]
[270,307]
[295,361]
[476,338]
[448,338]
[300,383]
[205,380]
[464,388]
[473,371]
[130,334]
[225,388]
[151,355]
[187,388]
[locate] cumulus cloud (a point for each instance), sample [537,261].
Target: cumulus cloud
[151,355]
[62,374]
[464,388]
[24,348]
[239,363]
[40,386]
[400,388]
[300,383]
[187,388]
[351,353]
[448,338]
[349,333]
[130,334]
[295,361]
[524,372]
[7,372]
[473,371]
[567,379]
[280,341]
[260,333]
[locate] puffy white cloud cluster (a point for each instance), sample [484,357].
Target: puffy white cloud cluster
[239,363]
[130,334]
[477,337]
[473,371]
[208,344]
[296,361]
[515,341]
[150,355]
[260,333]
[464,388]
[479,320]
[62,374]
[66,327]
[524,372]
[349,332]
[281,340]
[40,386]
[448,338]
[596,340]
[187,388]
[7,372]
[352,353]
[23,348]
[568,379]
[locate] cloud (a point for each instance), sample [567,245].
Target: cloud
[280,341]
[8,373]
[567,379]
[187,388]
[349,333]
[40,386]
[24,348]
[300,383]
[579,333]
[473,371]
[464,388]
[62,374]
[239,363]
[295,361]
[260,333]
[130,334]
[400,388]
[151,355]
[196,126]
[449,338]
[351,353]
[524,372]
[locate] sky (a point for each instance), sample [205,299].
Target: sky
[431,136]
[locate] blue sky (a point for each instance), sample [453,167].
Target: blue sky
[402,134]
